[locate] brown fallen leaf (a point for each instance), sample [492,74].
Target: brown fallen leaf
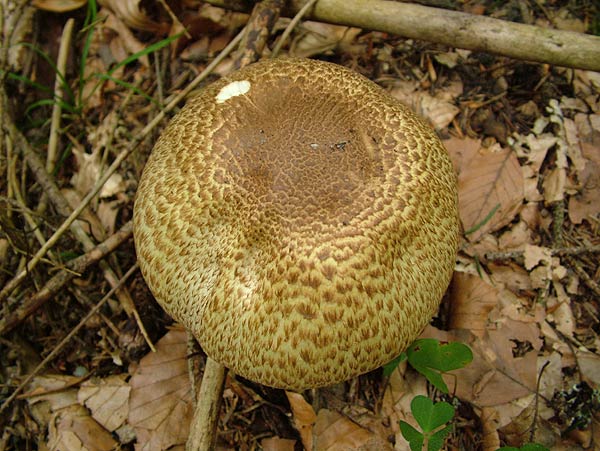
[107,399]
[277,444]
[304,417]
[130,12]
[471,299]
[496,376]
[490,190]
[586,204]
[73,429]
[335,432]
[59,6]
[160,405]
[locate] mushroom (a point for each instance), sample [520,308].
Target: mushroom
[299,221]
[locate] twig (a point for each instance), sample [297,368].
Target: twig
[18,279]
[263,18]
[455,29]
[537,401]
[204,423]
[74,267]
[515,255]
[65,340]
[591,283]
[291,26]
[174,18]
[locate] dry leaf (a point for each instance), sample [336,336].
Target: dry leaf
[304,417]
[490,190]
[495,376]
[534,255]
[125,39]
[107,399]
[129,12]
[59,6]
[511,276]
[160,405]
[54,389]
[277,444]
[589,364]
[334,432]
[318,37]
[438,110]
[489,425]
[471,299]
[586,204]
[72,429]
[516,237]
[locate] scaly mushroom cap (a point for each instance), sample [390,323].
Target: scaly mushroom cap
[299,221]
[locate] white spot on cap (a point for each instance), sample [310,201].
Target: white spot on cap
[233,89]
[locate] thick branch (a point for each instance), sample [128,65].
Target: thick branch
[456,29]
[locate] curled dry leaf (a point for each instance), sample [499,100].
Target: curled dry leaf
[59,6]
[317,38]
[160,405]
[304,417]
[439,110]
[130,12]
[490,190]
[72,429]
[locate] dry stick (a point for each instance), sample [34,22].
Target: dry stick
[203,430]
[553,251]
[17,279]
[65,340]
[591,283]
[288,30]
[62,206]
[457,29]
[261,22]
[72,269]
[174,18]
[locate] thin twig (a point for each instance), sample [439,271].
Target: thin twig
[515,255]
[286,33]
[65,340]
[73,268]
[18,279]
[264,16]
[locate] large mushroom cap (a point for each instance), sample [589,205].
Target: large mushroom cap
[299,221]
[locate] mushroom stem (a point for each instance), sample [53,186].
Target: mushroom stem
[203,430]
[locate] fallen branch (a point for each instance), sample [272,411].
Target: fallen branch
[456,29]
[72,269]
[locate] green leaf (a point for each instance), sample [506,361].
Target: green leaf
[431,416]
[526,447]
[533,447]
[389,367]
[436,441]
[414,437]
[429,357]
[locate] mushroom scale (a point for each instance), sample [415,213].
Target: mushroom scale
[299,221]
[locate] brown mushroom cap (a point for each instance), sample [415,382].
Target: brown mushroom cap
[299,221]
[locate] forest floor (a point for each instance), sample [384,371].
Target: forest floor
[76,367]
